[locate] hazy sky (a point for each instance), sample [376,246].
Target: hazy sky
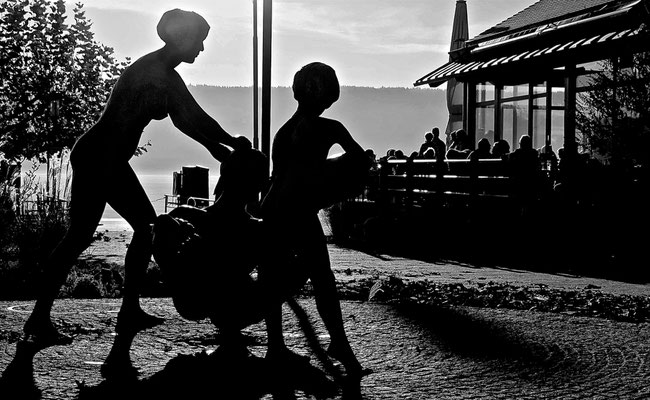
[369,42]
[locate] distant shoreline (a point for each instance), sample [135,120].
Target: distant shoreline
[118,225]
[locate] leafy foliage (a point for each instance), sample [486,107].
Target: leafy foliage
[614,118]
[54,78]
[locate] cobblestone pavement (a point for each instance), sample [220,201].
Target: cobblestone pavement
[351,264]
[415,353]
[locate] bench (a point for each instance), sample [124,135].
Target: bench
[416,182]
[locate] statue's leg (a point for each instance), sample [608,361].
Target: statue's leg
[132,203]
[87,203]
[327,301]
[281,275]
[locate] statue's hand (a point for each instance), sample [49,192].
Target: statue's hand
[219,151]
[242,143]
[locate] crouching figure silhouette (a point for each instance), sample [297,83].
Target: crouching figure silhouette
[208,256]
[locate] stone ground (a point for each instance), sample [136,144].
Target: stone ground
[416,352]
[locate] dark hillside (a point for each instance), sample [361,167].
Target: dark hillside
[379,118]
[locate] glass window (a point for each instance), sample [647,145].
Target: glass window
[485,123]
[514,91]
[484,92]
[539,122]
[558,97]
[515,121]
[507,92]
[539,88]
[521,90]
[557,129]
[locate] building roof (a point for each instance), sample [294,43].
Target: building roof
[535,57]
[541,12]
[547,33]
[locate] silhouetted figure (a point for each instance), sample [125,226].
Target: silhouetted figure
[372,157]
[548,159]
[390,154]
[458,148]
[206,257]
[303,182]
[208,267]
[461,142]
[439,146]
[482,151]
[428,143]
[500,149]
[524,169]
[148,89]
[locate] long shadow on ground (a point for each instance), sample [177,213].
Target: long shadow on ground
[467,335]
[219,375]
[504,347]
[629,269]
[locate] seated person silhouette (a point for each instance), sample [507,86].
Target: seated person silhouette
[207,255]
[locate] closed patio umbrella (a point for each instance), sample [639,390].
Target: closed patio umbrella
[459,35]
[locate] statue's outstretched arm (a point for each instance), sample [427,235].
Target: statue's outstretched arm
[188,116]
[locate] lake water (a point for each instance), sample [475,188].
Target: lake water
[156,186]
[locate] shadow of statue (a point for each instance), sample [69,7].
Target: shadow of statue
[18,378]
[228,372]
[468,335]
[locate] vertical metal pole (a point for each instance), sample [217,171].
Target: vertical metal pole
[266,78]
[549,110]
[256,139]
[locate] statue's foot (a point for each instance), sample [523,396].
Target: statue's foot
[286,356]
[119,370]
[129,322]
[42,333]
[345,356]
[232,351]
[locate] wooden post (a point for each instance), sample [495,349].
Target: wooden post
[498,114]
[469,109]
[408,185]
[549,110]
[570,109]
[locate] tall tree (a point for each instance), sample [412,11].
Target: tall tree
[614,117]
[54,78]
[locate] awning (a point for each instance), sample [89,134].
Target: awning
[462,70]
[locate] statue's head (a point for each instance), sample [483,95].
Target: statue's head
[244,174]
[183,31]
[315,86]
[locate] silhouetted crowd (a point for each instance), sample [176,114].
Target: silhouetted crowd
[525,163]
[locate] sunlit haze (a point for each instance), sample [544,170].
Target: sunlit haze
[369,42]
